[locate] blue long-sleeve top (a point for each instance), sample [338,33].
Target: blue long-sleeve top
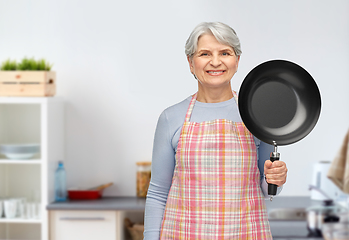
[164,149]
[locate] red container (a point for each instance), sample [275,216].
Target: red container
[84,194]
[91,193]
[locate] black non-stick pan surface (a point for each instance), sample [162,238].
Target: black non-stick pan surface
[279,101]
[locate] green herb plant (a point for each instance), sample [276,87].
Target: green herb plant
[8,65]
[26,65]
[43,65]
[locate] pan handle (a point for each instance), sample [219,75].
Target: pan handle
[274,156]
[272,188]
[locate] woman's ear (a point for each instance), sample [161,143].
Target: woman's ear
[237,62]
[190,64]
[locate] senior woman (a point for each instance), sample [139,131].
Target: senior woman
[209,173]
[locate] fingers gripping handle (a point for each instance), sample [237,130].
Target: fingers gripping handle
[274,156]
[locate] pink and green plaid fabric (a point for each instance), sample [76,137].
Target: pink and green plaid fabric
[215,192]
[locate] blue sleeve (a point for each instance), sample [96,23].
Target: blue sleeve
[263,154]
[163,164]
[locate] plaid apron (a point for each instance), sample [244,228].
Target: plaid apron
[215,191]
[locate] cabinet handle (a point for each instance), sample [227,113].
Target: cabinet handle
[82,219]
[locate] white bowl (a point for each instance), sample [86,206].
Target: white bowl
[19,151]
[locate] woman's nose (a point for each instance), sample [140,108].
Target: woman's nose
[215,60]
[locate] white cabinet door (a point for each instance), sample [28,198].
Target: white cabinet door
[84,225]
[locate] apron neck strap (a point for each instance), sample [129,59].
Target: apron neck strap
[235,97]
[191,106]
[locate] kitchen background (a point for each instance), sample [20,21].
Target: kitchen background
[120,63]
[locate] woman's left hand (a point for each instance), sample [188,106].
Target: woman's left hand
[275,172]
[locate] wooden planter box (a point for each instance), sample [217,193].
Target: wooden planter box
[27,83]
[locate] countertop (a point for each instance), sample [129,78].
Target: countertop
[104,203]
[281,230]
[137,203]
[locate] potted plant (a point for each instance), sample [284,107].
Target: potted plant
[30,78]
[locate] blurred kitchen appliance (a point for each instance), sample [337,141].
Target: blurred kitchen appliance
[321,181]
[327,212]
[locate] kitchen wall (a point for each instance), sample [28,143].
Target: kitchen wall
[120,63]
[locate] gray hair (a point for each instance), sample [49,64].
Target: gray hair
[222,32]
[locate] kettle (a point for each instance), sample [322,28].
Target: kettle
[321,181]
[327,212]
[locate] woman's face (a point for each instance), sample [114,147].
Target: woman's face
[214,64]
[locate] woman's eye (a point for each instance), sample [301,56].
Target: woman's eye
[225,54]
[203,54]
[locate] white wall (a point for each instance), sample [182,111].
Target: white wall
[120,63]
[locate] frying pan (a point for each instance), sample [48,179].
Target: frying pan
[279,103]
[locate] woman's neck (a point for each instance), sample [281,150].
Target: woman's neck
[214,95]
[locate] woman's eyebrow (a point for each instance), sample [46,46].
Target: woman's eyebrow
[221,50]
[226,49]
[204,50]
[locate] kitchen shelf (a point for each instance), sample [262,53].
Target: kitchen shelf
[27,100]
[20,220]
[32,161]
[30,120]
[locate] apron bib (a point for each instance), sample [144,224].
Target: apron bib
[215,191]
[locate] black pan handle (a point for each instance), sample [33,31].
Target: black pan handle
[272,188]
[274,156]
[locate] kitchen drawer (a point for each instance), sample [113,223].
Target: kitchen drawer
[86,225]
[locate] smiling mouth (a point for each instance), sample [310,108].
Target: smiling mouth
[215,73]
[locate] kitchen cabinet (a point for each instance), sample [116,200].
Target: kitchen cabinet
[91,224]
[94,219]
[87,225]
[26,120]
